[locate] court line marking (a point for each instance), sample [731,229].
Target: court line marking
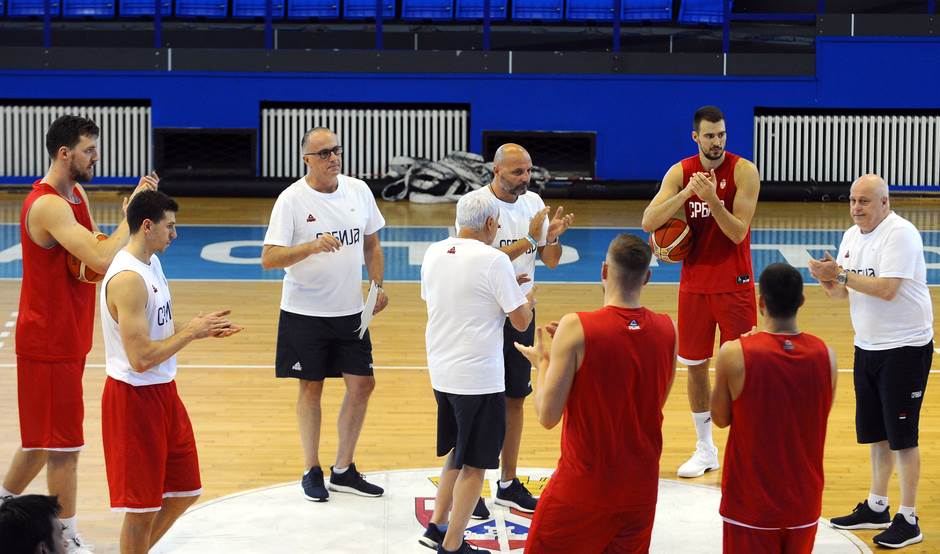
[407,367]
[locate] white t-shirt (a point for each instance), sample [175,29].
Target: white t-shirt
[159,315]
[469,288]
[893,249]
[514,221]
[326,284]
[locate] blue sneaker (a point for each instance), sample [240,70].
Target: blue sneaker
[312,483]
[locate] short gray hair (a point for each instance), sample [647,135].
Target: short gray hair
[474,209]
[303,141]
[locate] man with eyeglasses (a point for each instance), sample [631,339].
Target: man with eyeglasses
[323,228]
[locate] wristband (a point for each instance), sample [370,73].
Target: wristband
[553,243]
[531,240]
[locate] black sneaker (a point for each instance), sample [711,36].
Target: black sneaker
[432,537]
[516,496]
[465,548]
[312,483]
[354,482]
[863,517]
[900,534]
[480,511]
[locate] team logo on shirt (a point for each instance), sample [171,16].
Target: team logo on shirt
[787,345]
[310,218]
[633,326]
[453,250]
[846,254]
[154,289]
[724,183]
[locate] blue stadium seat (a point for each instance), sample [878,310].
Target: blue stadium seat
[473,10]
[631,10]
[31,8]
[537,10]
[213,9]
[709,12]
[88,8]
[434,10]
[142,8]
[255,8]
[304,9]
[365,9]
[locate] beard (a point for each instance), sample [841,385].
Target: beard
[709,155]
[81,174]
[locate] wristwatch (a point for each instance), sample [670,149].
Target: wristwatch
[843,277]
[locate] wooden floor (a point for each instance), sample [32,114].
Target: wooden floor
[244,418]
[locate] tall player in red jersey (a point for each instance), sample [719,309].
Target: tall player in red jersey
[718,191]
[56,316]
[775,389]
[611,438]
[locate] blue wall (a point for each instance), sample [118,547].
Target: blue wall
[643,123]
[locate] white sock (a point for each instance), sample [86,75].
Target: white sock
[505,484]
[4,493]
[703,427]
[69,526]
[908,513]
[339,470]
[877,503]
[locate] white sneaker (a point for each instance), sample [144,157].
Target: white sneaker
[705,458]
[76,545]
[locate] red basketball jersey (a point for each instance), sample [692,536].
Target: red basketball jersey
[611,438]
[773,474]
[57,312]
[715,263]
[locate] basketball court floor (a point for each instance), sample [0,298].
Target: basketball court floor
[244,418]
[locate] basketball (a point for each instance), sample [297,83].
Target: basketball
[671,242]
[79,270]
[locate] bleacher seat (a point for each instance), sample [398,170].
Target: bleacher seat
[255,8]
[647,10]
[31,8]
[473,10]
[88,8]
[142,8]
[365,9]
[594,10]
[433,10]
[537,10]
[709,12]
[212,9]
[631,10]
[304,9]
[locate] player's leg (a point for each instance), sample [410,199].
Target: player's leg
[136,532]
[510,491]
[696,344]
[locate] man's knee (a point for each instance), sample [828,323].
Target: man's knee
[310,391]
[360,388]
[62,460]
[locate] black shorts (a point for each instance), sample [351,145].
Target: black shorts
[518,368]
[889,390]
[473,426]
[314,348]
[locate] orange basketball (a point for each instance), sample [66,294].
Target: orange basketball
[79,270]
[671,242]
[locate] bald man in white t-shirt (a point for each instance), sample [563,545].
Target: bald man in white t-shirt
[525,233]
[882,271]
[323,228]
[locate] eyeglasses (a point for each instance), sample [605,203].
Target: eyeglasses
[325,153]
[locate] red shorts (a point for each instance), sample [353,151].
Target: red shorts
[740,539]
[735,313]
[562,528]
[149,448]
[51,407]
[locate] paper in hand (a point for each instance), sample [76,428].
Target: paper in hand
[369,307]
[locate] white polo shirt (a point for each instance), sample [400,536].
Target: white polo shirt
[514,221]
[326,284]
[892,249]
[469,287]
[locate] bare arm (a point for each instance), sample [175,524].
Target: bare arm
[375,266]
[729,381]
[827,270]
[522,246]
[555,370]
[675,356]
[279,257]
[735,223]
[835,372]
[521,317]
[668,200]
[550,254]
[127,303]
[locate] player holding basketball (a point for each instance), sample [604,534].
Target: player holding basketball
[718,191]
[602,497]
[525,232]
[775,389]
[149,448]
[56,316]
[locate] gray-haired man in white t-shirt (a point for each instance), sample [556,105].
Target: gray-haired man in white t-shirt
[323,228]
[881,269]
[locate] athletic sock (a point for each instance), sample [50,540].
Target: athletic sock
[703,427]
[908,513]
[505,484]
[339,470]
[877,503]
[4,493]
[69,526]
